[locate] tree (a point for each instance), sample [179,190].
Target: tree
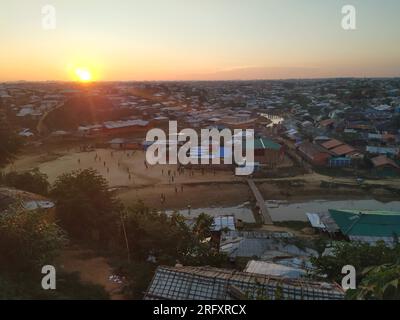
[379,282]
[168,238]
[203,225]
[10,142]
[31,181]
[138,275]
[360,255]
[152,233]
[27,241]
[86,208]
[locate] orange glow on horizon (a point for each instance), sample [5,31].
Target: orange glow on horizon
[83,75]
[82,71]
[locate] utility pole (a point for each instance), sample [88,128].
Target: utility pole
[126,238]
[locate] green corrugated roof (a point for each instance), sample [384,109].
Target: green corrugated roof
[367,223]
[262,143]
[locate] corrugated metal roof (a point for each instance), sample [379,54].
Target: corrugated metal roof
[311,149]
[315,220]
[125,123]
[382,160]
[382,150]
[332,144]
[224,222]
[258,244]
[273,269]
[206,283]
[343,150]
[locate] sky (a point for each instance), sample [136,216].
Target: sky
[198,39]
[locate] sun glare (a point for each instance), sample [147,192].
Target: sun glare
[83,75]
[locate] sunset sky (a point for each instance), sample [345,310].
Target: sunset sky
[198,39]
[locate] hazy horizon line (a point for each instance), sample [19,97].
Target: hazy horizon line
[205,80]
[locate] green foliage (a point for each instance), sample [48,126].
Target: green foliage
[359,255]
[279,293]
[202,254]
[349,137]
[168,238]
[69,286]
[27,241]
[381,282]
[319,245]
[154,233]
[10,142]
[86,208]
[301,99]
[203,225]
[139,275]
[31,181]
[377,267]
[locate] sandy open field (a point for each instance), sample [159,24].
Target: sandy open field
[127,173]
[116,166]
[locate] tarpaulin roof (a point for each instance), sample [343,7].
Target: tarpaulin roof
[367,223]
[263,143]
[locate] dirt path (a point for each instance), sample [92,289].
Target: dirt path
[41,127]
[91,268]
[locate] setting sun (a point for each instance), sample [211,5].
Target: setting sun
[83,75]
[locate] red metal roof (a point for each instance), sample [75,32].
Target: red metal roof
[333,143]
[343,150]
[382,161]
